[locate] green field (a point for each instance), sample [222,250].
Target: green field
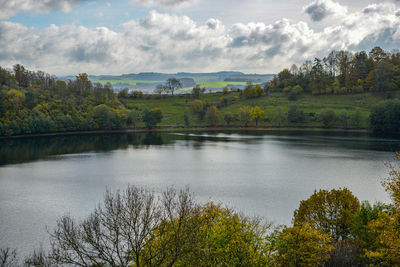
[174,107]
[202,84]
[219,84]
[132,82]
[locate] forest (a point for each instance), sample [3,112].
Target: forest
[342,90]
[342,72]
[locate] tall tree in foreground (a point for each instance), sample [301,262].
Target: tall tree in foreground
[330,211]
[8,258]
[118,232]
[302,245]
[137,228]
[385,229]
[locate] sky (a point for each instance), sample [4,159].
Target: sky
[66,37]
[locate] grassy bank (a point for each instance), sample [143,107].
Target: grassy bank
[276,107]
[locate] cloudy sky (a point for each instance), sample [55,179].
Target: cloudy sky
[128,36]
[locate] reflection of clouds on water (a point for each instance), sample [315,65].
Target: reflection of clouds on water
[264,174]
[75,155]
[40,148]
[224,136]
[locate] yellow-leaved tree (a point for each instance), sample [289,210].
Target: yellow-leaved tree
[386,227]
[302,245]
[221,238]
[331,211]
[257,114]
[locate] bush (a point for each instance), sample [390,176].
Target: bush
[186,119]
[287,90]
[297,89]
[340,90]
[105,117]
[328,117]
[292,96]
[197,91]
[223,101]
[212,116]
[343,119]
[244,115]
[385,118]
[355,119]
[228,117]
[328,90]
[197,107]
[253,91]
[295,115]
[152,117]
[136,94]
[225,90]
[133,118]
[157,114]
[123,94]
[357,89]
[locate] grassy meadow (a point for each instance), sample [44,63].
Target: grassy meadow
[131,82]
[205,84]
[275,106]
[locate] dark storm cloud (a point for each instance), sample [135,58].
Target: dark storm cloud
[320,9]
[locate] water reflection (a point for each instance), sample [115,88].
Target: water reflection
[30,149]
[259,173]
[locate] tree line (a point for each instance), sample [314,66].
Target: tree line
[342,72]
[135,227]
[36,102]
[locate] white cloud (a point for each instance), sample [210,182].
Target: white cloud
[161,2]
[320,9]
[11,7]
[168,43]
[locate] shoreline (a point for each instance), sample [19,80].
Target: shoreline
[190,129]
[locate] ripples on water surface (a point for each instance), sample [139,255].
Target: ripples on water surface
[264,174]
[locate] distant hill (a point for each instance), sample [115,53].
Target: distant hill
[149,80]
[209,77]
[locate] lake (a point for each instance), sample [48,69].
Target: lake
[258,173]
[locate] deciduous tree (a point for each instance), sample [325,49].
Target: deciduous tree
[302,245]
[257,114]
[330,211]
[244,115]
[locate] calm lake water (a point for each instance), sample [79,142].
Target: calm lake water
[264,174]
